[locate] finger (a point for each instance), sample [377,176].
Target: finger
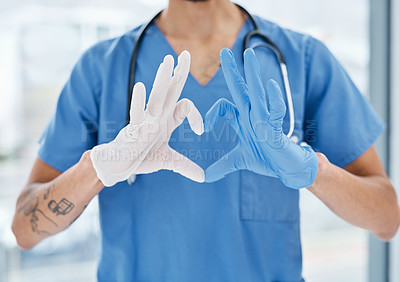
[222,109]
[187,168]
[160,86]
[138,103]
[178,80]
[186,109]
[234,80]
[256,88]
[222,167]
[277,108]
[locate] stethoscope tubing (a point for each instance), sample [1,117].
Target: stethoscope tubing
[253,33]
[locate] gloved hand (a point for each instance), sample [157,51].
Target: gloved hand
[262,146]
[142,146]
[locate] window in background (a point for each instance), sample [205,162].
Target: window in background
[394,124]
[333,250]
[39,44]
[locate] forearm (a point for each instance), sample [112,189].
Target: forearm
[44,209]
[365,201]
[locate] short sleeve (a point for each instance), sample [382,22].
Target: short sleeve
[339,121]
[73,128]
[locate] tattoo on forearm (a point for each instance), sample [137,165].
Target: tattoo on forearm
[30,207]
[25,197]
[46,195]
[63,207]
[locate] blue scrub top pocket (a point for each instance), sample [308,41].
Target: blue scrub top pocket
[265,198]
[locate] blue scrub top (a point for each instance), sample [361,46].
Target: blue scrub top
[244,227]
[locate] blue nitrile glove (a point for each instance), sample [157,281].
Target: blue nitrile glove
[262,146]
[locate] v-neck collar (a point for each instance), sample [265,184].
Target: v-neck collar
[237,44]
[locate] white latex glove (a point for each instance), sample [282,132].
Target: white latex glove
[142,146]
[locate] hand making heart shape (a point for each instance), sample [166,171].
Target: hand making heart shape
[262,146]
[142,146]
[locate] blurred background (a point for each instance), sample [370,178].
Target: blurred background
[41,40]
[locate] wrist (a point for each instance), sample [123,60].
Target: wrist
[324,169]
[85,166]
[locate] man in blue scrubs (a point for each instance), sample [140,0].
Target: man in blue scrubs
[243,227]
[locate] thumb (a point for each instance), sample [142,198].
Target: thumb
[180,164]
[224,166]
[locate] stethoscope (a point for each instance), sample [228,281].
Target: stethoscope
[267,42]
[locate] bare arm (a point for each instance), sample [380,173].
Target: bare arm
[361,193]
[51,201]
